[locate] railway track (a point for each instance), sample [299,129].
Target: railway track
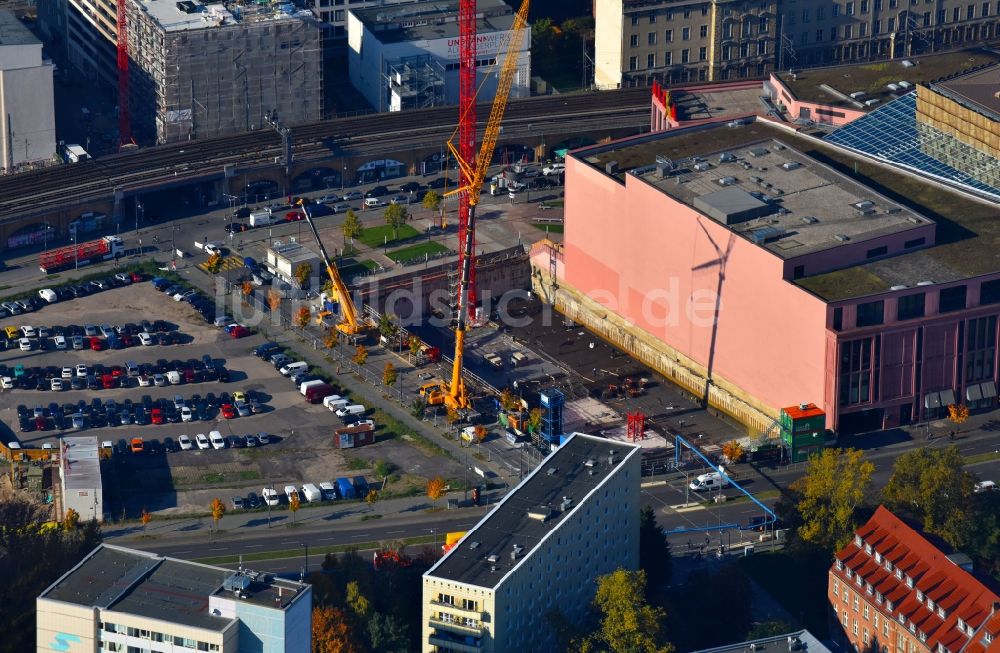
[98,177]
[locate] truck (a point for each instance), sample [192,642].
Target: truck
[354,436]
[345,489]
[315,394]
[311,493]
[328,491]
[72,256]
[350,410]
[261,218]
[304,387]
[73,153]
[709,481]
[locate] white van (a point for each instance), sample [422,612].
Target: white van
[311,492]
[293,368]
[304,387]
[353,409]
[373,202]
[709,481]
[270,496]
[290,491]
[330,399]
[260,218]
[337,404]
[48,295]
[174,377]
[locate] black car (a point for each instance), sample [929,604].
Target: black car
[441,182]
[266,349]
[170,445]
[410,187]
[377,191]
[162,325]
[121,447]
[211,401]
[236,227]
[203,411]
[152,447]
[242,212]
[26,423]
[223,374]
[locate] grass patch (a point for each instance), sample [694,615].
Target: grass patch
[355,464]
[249,475]
[393,428]
[792,582]
[548,228]
[428,248]
[378,236]
[354,268]
[213,477]
[322,550]
[981,457]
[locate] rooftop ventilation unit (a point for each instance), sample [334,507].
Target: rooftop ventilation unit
[746,165]
[733,124]
[550,471]
[187,6]
[857,95]
[898,287]
[842,238]
[779,146]
[914,219]
[516,552]
[611,167]
[541,513]
[925,283]
[236,583]
[907,63]
[726,181]
[791,165]
[892,87]
[727,157]
[756,180]
[865,207]
[809,219]
[765,234]
[905,84]
[492,558]
[757,152]
[702,166]
[590,462]
[872,102]
[474,545]
[566,504]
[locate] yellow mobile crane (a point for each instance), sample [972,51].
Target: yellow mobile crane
[453,394]
[349,324]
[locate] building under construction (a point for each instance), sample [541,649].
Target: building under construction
[198,71]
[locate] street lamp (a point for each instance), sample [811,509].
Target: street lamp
[306,566]
[76,253]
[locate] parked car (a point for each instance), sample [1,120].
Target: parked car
[202,441]
[185,443]
[218,442]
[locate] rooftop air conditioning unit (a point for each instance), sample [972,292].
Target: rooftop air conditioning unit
[702,166]
[727,157]
[842,238]
[726,181]
[791,165]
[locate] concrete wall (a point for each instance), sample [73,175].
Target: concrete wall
[27,112]
[814,111]
[65,627]
[609,22]
[659,265]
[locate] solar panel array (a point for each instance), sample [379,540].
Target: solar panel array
[892,134]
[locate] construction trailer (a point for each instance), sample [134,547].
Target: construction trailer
[354,436]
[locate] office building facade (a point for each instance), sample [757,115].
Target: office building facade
[574,518]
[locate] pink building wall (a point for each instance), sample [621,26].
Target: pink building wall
[654,261]
[815,111]
[856,251]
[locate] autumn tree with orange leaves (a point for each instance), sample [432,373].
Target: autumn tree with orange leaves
[332,632]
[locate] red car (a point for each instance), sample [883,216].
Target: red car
[97,344]
[156,416]
[136,277]
[293,216]
[117,371]
[127,340]
[41,424]
[109,381]
[239,332]
[228,411]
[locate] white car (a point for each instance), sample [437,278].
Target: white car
[212,248]
[144,381]
[77,342]
[81,371]
[24,344]
[984,486]
[67,373]
[553,169]
[56,384]
[29,332]
[270,496]
[202,441]
[77,420]
[6,383]
[146,340]
[353,195]
[184,442]
[218,442]
[186,414]
[124,277]
[59,342]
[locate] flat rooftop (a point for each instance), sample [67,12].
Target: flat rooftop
[805,641]
[752,179]
[435,19]
[873,79]
[13,31]
[293,252]
[82,470]
[195,15]
[977,90]
[148,585]
[509,523]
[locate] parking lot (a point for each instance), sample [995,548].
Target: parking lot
[300,449]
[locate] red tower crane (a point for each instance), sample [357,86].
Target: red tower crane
[124,119]
[466,138]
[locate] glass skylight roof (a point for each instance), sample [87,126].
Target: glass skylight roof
[892,134]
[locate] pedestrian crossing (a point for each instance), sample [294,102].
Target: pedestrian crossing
[231,262]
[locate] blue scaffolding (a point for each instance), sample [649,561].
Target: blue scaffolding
[552,401]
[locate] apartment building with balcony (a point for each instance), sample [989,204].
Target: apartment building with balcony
[574,518]
[892,589]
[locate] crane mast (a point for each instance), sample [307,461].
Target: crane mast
[350,323]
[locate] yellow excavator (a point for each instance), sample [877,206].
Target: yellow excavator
[349,323]
[453,394]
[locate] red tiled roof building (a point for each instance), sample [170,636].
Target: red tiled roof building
[892,587]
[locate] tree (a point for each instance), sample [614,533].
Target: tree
[418,407]
[371,497]
[535,419]
[360,355]
[931,486]
[628,624]
[218,510]
[432,201]
[144,517]
[387,326]
[387,634]
[352,226]
[331,338]
[71,520]
[293,504]
[435,488]
[273,299]
[452,414]
[414,345]
[302,317]
[769,629]
[214,263]
[246,288]
[395,216]
[733,451]
[302,274]
[360,605]
[332,633]
[389,374]
[958,413]
[480,432]
[382,469]
[654,550]
[508,400]
[831,493]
